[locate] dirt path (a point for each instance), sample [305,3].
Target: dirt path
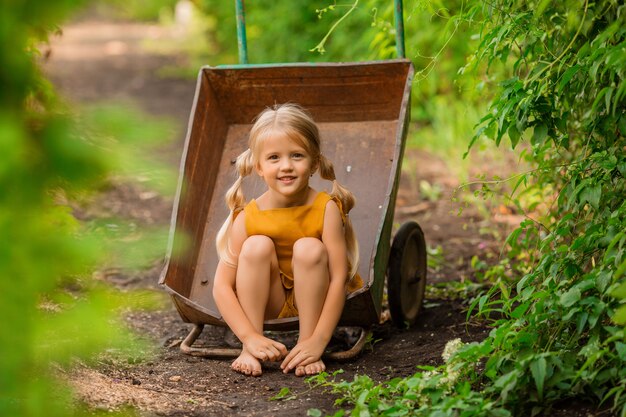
[96,60]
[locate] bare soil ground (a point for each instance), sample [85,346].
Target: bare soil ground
[102,60]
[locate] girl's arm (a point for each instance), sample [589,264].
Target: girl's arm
[333,237]
[228,304]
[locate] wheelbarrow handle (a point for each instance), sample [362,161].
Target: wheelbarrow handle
[399,17]
[242,43]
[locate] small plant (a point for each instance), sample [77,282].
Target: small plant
[430,192]
[315,381]
[432,391]
[435,258]
[453,290]
[370,342]
[284,394]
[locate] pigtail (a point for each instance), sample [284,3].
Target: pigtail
[234,196]
[235,200]
[327,172]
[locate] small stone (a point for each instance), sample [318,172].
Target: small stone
[136,381]
[175,378]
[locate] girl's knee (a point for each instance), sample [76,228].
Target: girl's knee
[309,252]
[257,248]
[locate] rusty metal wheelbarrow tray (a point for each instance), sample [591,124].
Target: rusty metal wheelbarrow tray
[362,110]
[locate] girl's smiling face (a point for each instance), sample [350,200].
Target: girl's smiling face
[286,167]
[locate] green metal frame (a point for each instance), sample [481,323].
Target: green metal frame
[242,42]
[399,17]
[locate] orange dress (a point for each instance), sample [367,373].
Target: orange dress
[285,226]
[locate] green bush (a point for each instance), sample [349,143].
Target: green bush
[554,73]
[52,310]
[142,10]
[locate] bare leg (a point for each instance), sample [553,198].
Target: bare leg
[311,281]
[259,292]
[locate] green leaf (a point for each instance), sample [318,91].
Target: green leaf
[620,315]
[604,92]
[591,195]
[603,280]
[567,76]
[620,292]
[538,370]
[607,99]
[609,163]
[540,132]
[621,350]
[570,297]
[314,412]
[585,284]
[520,310]
[580,323]
[541,7]
[507,382]
[514,135]
[284,394]
[619,272]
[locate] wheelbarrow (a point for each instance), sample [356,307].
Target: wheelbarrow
[362,110]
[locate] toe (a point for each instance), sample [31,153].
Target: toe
[315,369]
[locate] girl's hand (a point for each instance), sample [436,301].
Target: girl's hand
[304,353]
[265,349]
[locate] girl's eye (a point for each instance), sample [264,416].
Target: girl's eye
[272,157]
[298,155]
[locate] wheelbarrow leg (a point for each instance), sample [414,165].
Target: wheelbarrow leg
[354,351]
[187,348]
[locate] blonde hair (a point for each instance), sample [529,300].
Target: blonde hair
[300,127]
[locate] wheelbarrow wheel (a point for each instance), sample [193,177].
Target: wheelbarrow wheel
[406,274]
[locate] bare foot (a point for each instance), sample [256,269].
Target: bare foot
[311,369]
[247,364]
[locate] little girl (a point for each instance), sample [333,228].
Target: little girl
[290,252]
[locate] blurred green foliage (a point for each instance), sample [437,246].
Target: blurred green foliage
[52,310]
[142,10]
